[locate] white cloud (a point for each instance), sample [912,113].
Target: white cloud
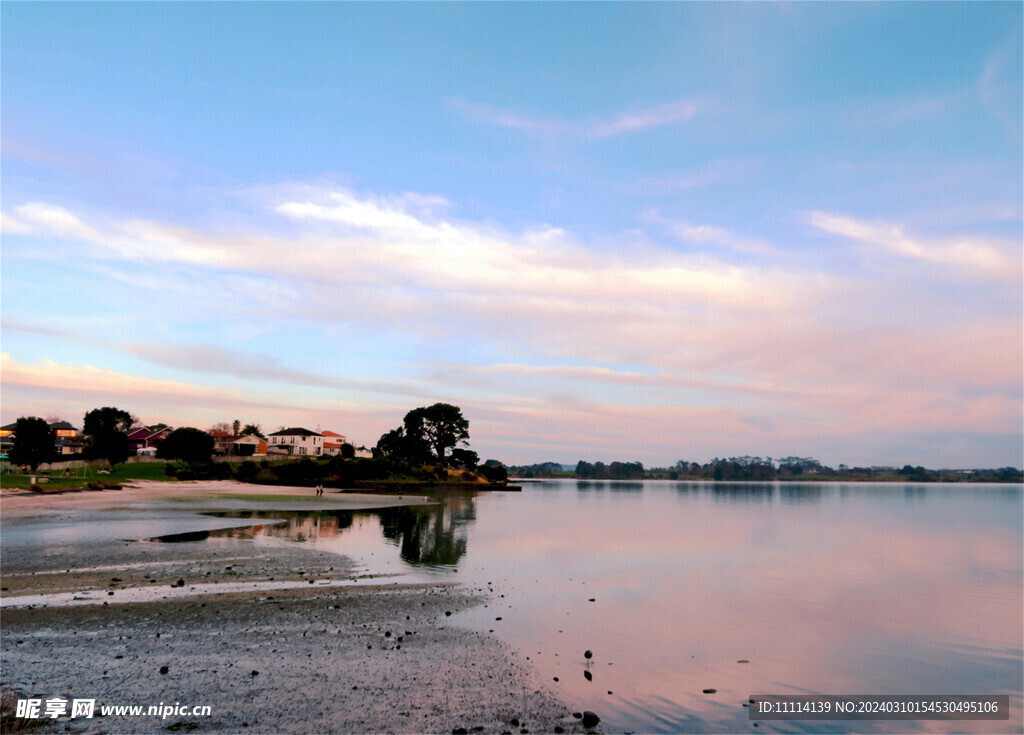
[984,257]
[593,128]
[54,219]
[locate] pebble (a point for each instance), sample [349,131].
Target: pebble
[164,669]
[590,719]
[709,691]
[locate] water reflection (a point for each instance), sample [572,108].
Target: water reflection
[292,525]
[431,535]
[795,492]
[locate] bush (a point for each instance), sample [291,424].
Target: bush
[247,471]
[199,470]
[493,473]
[303,472]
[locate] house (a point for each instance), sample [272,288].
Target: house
[7,437]
[66,439]
[297,442]
[249,445]
[222,441]
[332,442]
[147,436]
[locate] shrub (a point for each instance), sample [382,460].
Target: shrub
[247,471]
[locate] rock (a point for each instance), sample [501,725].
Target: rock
[588,676]
[578,715]
[590,719]
[460,731]
[514,722]
[254,673]
[588,654]
[447,613]
[179,583]
[164,669]
[709,691]
[743,661]
[556,678]
[559,730]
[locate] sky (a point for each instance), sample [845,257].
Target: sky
[609,231]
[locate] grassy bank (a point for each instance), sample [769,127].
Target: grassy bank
[80,479]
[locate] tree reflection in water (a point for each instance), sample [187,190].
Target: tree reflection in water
[425,534]
[434,534]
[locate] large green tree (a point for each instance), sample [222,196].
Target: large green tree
[441,427]
[187,444]
[106,430]
[33,442]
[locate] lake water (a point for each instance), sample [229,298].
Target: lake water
[816,588]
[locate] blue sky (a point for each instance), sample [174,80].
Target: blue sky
[607,231]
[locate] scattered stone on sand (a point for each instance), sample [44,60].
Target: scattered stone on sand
[709,691]
[590,719]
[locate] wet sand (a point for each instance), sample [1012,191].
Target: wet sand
[310,658]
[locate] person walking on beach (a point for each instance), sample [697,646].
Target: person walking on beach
[319,489]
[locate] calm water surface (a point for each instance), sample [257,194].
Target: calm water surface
[821,588]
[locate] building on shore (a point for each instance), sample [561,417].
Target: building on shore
[297,442]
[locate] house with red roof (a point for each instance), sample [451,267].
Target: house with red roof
[332,442]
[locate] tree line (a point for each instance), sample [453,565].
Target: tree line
[758,469]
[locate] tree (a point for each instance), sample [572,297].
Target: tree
[348,451]
[494,471]
[235,425]
[395,444]
[439,427]
[465,459]
[107,432]
[187,444]
[221,428]
[33,442]
[254,430]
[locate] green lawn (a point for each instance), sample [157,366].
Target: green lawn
[81,478]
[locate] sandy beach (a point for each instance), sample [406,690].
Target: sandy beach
[273,639]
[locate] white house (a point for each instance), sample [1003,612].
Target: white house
[298,442]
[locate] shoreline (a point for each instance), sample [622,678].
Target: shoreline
[293,640]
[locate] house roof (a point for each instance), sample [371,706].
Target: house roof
[61,425]
[333,433]
[147,432]
[295,431]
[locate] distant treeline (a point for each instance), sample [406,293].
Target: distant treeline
[761,469]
